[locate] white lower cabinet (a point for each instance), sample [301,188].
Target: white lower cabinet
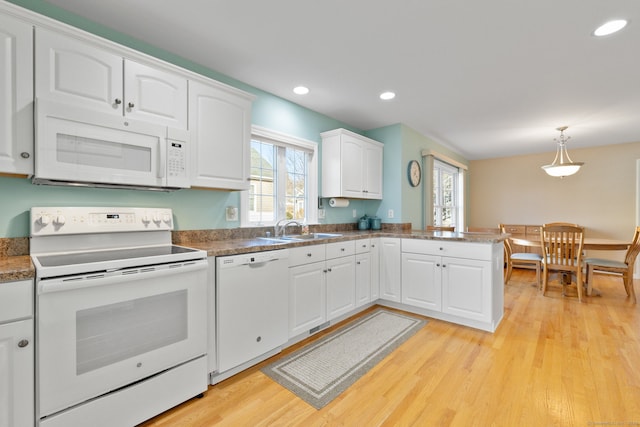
[322,284]
[341,278]
[364,273]
[461,280]
[307,288]
[374,249]
[421,281]
[16,354]
[307,297]
[390,269]
[466,288]
[341,287]
[363,279]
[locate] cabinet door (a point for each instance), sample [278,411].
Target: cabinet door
[421,281]
[375,269]
[352,167]
[341,286]
[307,298]
[390,269]
[78,73]
[16,93]
[363,279]
[466,288]
[154,95]
[17,374]
[372,171]
[220,128]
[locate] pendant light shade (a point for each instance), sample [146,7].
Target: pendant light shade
[562,165]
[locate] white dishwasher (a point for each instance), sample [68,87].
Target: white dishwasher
[252,305]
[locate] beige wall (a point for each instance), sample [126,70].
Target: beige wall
[601,196]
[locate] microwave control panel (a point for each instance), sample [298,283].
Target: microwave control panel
[177,158]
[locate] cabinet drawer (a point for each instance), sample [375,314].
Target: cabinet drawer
[306,255]
[363,245]
[469,250]
[533,230]
[338,249]
[515,229]
[16,300]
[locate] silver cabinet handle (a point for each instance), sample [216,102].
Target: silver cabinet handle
[25,155]
[118,101]
[23,343]
[131,105]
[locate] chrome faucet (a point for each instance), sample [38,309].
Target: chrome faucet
[280,229]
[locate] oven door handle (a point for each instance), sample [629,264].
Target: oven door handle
[61,284]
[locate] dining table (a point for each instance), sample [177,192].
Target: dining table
[589,243]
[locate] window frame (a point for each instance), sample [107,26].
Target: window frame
[287,141]
[428,158]
[438,204]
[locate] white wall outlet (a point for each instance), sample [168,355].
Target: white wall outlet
[232,213]
[390,213]
[321,213]
[355,213]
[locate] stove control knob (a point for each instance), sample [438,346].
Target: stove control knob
[59,220]
[156,218]
[166,218]
[145,219]
[44,219]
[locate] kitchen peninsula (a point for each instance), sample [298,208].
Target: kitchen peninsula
[451,276]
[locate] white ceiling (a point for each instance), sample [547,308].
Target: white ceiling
[486,78]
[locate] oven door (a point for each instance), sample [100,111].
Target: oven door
[97,333]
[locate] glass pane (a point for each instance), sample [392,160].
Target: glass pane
[262,194]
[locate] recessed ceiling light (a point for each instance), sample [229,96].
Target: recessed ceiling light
[385,96]
[610,27]
[301,90]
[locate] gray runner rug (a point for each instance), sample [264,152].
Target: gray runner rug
[320,371]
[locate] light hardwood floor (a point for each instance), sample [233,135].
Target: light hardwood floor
[552,362]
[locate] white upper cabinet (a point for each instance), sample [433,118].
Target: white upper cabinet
[351,165]
[154,95]
[16,96]
[78,72]
[220,128]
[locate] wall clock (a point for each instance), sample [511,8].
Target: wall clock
[414,173]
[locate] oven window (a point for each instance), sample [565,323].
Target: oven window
[111,333]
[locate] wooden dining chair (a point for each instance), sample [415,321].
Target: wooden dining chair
[519,258]
[562,252]
[624,268]
[439,228]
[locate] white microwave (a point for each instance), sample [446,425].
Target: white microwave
[76,146]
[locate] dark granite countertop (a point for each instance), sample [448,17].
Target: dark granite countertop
[15,264]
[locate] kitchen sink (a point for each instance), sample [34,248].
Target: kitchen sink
[312,236]
[274,239]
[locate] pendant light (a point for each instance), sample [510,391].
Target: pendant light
[562,165]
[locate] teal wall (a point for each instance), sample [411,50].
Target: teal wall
[202,209]
[401,145]
[194,209]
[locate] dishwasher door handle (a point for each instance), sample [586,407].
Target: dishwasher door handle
[261,264]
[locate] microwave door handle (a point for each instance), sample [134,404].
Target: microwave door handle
[162,166]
